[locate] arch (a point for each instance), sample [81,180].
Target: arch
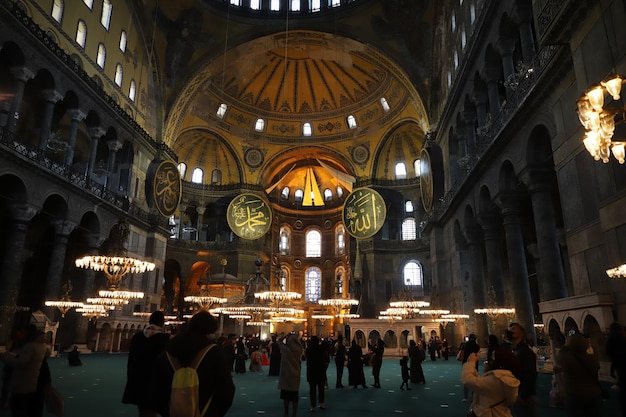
[391,339]
[359,337]
[373,337]
[313,243]
[539,147]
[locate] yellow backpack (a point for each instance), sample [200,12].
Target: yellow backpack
[185,392]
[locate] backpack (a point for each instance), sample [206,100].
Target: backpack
[185,392]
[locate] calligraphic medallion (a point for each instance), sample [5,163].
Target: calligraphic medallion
[364,213]
[166,188]
[249,216]
[426,180]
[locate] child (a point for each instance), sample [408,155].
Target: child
[404,366]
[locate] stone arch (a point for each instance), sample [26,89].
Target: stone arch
[391,339]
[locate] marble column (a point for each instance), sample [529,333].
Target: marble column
[95,133]
[62,229]
[491,75]
[13,265]
[510,206]
[50,98]
[490,222]
[21,75]
[475,250]
[552,272]
[77,116]
[480,98]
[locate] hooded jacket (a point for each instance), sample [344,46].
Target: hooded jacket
[493,392]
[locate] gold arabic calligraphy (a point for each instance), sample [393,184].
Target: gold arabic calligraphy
[250,216]
[167,188]
[364,213]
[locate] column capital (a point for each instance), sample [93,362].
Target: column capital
[22,212]
[51,96]
[22,73]
[63,227]
[537,178]
[474,234]
[115,145]
[76,114]
[96,132]
[508,201]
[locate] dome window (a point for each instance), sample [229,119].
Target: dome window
[416,167]
[105,18]
[132,91]
[197,176]
[285,193]
[123,41]
[57,10]
[307,130]
[182,169]
[259,126]
[81,33]
[351,122]
[275,5]
[299,195]
[119,73]
[102,54]
[221,110]
[400,171]
[339,191]
[328,195]
[255,4]
[384,104]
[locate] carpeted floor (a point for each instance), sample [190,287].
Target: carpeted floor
[95,390]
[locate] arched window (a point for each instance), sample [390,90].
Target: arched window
[340,240]
[334,3]
[132,91]
[339,191]
[275,5]
[408,206]
[284,243]
[235,2]
[340,277]
[88,3]
[255,4]
[216,177]
[284,278]
[313,285]
[472,13]
[81,33]
[453,22]
[384,104]
[313,244]
[182,169]
[307,130]
[221,110]
[119,73]
[102,55]
[463,38]
[416,166]
[105,18]
[123,40]
[412,273]
[400,171]
[408,229]
[351,122]
[328,195]
[57,10]
[285,193]
[197,176]
[299,195]
[259,126]
[295,5]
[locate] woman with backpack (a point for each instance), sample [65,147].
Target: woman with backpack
[190,348]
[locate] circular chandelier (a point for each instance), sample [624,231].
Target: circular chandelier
[278,296]
[108,301]
[409,304]
[114,267]
[599,120]
[204,301]
[617,272]
[121,294]
[64,305]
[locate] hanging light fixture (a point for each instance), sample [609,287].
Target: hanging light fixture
[65,304]
[599,119]
[617,272]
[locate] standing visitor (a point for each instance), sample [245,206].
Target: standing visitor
[26,363]
[290,368]
[216,388]
[416,357]
[497,388]
[377,361]
[583,396]
[145,348]
[615,348]
[470,346]
[340,360]
[240,356]
[356,376]
[404,371]
[316,371]
[274,357]
[526,405]
[445,348]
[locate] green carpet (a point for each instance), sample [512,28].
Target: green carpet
[95,390]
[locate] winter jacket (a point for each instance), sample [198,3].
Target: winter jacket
[26,365]
[493,392]
[290,363]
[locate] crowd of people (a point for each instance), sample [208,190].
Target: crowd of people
[505,388]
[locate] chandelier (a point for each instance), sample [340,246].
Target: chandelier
[65,303]
[617,272]
[599,120]
[94,311]
[116,265]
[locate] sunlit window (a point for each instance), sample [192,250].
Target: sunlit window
[132,91]
[216,177]
[328,195]
[102,54]
[472,13]
[255,4]
[105,18]
[453,22]
[182,169]
[351,122]
[416,167]
[400,171]
[408,206]
[306,129]
[340,277]
[456,60]
[259,126]
[57,10]
[284,241]
[123,40]
[295,5]
[221,110]
[339,191]
[285,193]
[197,176]
[275,5]
[316,5]
[299,195]
[384,104]
[412,273]
[235,2]
[88,3]
[313,244]
[334,3]
[313,285]
[408,229]
[81,33]
[340,240]
[284,278]
[119,72]
[463,38]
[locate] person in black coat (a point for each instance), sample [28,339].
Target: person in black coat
[416,357]
[145,347]
[240,356]
[316,359]
[274,357]
[377,361]
[215,380]
[471,346]
[340,360]
[356,376]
